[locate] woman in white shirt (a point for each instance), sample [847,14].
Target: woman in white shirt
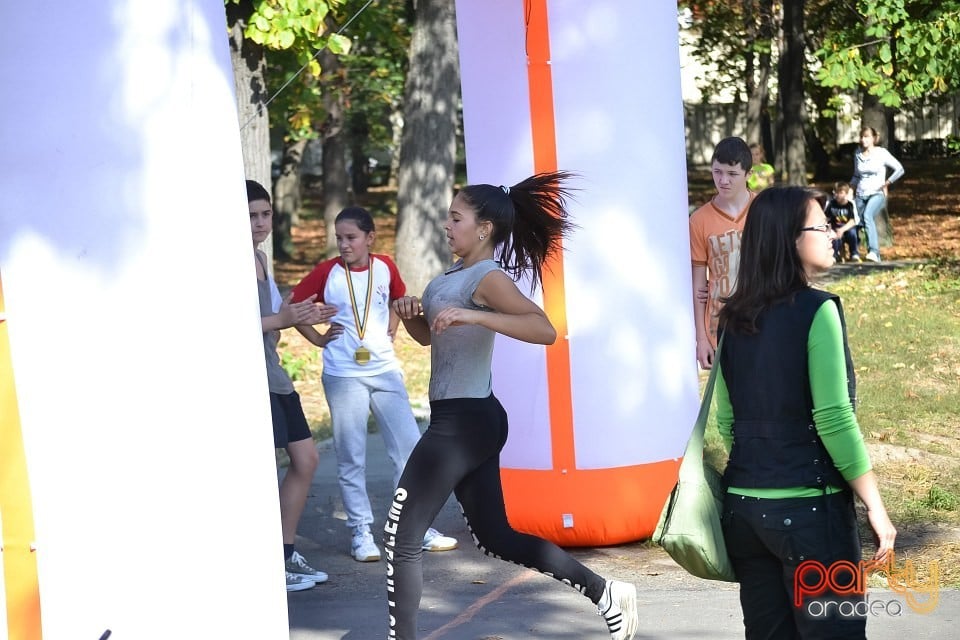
[870,182]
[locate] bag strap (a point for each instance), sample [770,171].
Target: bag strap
[692,464]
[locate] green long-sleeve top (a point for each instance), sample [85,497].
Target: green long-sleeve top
[833,414]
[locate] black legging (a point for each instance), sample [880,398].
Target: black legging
[460,452]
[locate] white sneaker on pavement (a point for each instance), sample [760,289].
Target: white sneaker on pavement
[618,606]
[362,547]
[872,257]
[433,540]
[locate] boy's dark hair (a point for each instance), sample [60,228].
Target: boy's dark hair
[360,216]
[733,151]
[255,191]
[842,186]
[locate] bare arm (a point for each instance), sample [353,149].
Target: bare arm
[409,310]
[866,489]
[305,312]
[704,347]
[513,314]
[317,338]
[393,323]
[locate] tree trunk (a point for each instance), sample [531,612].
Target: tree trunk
[335,179]
[287,200]
[756,74]
[396,125]
[428,146]
[249,65]
[359,161]
[336,194]
[792,94]
[873,113]
[822,134]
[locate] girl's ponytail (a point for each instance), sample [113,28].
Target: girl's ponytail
[530,220]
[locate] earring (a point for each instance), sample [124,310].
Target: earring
[482,237]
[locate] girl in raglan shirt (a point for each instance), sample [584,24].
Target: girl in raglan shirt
[361,372]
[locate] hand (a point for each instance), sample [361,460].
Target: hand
[304,312]
[334,332]
[453,316]
[703,294]
[325,312]
[407,307]
[883,531]
[705,353]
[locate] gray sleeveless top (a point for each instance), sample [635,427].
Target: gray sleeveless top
[460,356]
[277,378]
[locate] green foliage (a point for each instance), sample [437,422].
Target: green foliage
[294,31]
[897,50]
[371,71]
[298,366]
[376,70]
[279,24]
[730,38]
[953,145]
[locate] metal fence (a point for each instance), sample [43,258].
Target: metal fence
[920,131]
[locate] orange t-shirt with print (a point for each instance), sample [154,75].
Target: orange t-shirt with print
[715,244]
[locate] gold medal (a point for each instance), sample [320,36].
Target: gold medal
[362,355]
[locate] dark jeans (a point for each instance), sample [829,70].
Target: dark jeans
[851,238]
[768,539]
[460,452]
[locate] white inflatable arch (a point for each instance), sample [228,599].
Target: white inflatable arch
[599,419]
[135,440]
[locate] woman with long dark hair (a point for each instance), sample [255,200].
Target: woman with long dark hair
[785,409]
[495,231]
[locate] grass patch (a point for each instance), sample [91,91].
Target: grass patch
[904,328]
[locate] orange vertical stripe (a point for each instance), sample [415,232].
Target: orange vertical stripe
[540,81]
[19,561]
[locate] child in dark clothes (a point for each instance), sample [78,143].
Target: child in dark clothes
[845,221]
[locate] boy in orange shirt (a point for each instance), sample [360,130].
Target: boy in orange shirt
[715,240]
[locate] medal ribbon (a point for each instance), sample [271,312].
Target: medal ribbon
[361,326]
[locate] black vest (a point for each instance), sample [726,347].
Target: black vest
[775,442]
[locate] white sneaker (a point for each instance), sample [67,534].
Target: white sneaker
[362,547]
[433,540]
[618,606]
[872,257]
[297,565]
[299,583]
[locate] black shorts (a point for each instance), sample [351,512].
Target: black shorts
[289,423]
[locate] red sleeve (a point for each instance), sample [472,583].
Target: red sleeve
[315,282]
[397,287]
